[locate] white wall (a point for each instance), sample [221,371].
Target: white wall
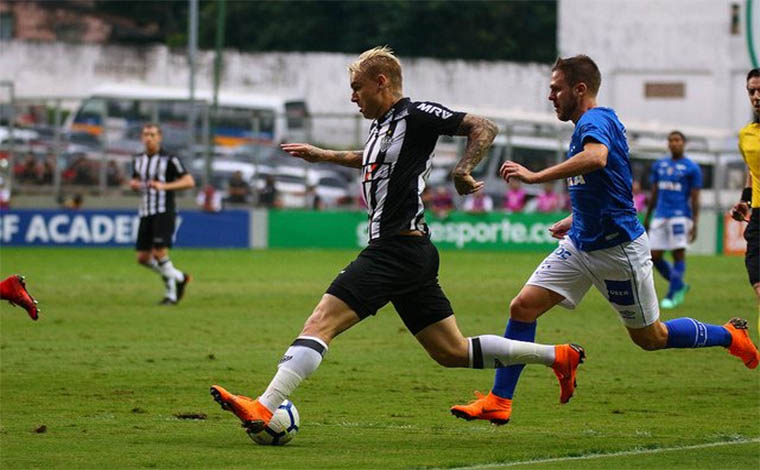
[639,41]
[65,69]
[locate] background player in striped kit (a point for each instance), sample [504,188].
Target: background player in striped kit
[156,175]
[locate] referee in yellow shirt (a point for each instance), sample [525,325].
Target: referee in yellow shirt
[749,206]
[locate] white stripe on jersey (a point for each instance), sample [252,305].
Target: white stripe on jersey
[376,188]
[143,171]
[152,175]
[421,189]
[162,178]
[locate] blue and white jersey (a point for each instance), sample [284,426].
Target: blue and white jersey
[602,200]
[674,180]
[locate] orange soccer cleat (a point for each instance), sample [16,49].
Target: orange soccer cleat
[566,361]
[741,344]
[13,289]
[253,414]
[489,407]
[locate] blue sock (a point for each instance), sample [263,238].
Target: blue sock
[676,277]
[505,382]
[663,267]
[690,333]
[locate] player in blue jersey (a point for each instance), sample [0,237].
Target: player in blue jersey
[602,244]
[676,181]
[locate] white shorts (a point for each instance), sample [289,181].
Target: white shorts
[669,234]
[623,274]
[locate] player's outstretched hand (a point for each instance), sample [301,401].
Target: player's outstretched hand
[560,229]
[740,212]
[307,152]
[510,169]
[466,184]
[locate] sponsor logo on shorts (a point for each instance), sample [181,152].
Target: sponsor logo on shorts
[619,292]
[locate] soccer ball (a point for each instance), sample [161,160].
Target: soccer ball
[282,428]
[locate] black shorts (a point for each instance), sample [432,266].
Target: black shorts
[402,270]
[752,257]
[156,231]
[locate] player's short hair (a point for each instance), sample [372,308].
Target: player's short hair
[376,61]
[152,124]
[678,133]
[753,73]
[580,69]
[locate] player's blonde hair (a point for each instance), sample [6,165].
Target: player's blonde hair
[376,61]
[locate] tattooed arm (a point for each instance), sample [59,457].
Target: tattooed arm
[310,153]
[480,133]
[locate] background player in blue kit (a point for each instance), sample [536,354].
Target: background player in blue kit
[602,244]
[676,181]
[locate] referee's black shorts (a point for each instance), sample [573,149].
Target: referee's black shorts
[402,270]
[155,231]
[752,257]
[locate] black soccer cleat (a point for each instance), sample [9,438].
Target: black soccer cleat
[181,286]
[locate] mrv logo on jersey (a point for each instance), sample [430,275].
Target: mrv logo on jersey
[435,110]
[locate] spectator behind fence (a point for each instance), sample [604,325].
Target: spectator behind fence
[238,190]
[514,199]
[209,199]
[29,171]
[639,197]
[114,176]
[5,194]
[478,203]
[74,202]
[48,170]
[549,200]
[312,199]
[268,195]
[442,202]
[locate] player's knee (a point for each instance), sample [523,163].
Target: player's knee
[320,324]
[450,357]
[651,342]
[521,310]
[143,258]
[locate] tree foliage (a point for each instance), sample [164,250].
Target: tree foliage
[522,31]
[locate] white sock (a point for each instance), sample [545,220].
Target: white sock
[167,266]
[167,271]
[492,352]
[299,361]
[152,264]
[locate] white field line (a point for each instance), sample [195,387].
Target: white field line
[599,456]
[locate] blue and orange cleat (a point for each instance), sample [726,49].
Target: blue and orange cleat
[253,414]
[741,345]
[566,361]
[489,407]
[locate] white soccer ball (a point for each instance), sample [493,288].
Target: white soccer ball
[282,428]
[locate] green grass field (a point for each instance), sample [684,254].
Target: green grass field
[106,372]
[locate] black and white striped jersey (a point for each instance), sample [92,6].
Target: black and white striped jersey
[397,158]
[161,167]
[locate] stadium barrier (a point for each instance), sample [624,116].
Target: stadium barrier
[53,227]
[260,228]
[490,231]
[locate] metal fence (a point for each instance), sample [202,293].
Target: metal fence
[41,156]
